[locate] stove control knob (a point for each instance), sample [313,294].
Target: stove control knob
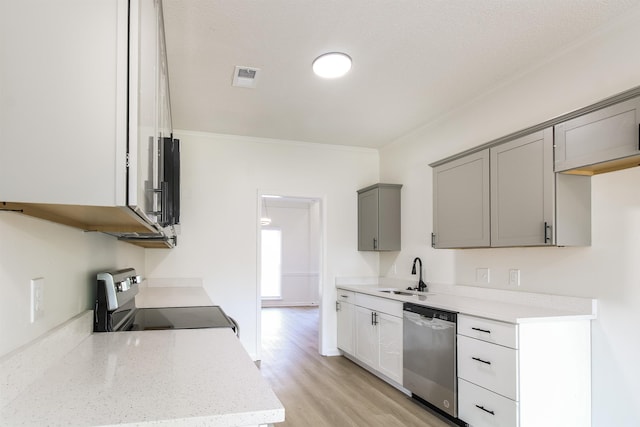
[136,279]
[123,286]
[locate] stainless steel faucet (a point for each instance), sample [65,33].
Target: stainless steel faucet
[422,287]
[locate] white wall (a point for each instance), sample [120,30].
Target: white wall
[66,257]
[221,179]
[299,276]
[608,270]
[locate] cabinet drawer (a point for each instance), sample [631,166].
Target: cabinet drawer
[492,331]
[383,305]
[481,408]
[346,296]
[488,365]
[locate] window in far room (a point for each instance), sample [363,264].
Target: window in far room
[271,263]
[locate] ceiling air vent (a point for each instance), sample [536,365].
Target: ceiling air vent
[245,77]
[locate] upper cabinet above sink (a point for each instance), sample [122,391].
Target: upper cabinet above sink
[508,195]
[533,187]
[86,118]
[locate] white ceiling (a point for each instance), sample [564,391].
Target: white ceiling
[413,60]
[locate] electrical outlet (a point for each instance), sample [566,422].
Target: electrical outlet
[482,275]
[37,299]
[514,277]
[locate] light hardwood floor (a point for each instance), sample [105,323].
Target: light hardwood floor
[327,391]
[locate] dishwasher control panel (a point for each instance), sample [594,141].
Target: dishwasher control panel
[431,313]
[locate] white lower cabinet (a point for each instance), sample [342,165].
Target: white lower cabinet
[489,365]
[376,333]
[525,375]
[367,342]
[379,342]
[345,312]
[481,407]
[390,346]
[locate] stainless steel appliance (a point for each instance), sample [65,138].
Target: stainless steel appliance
[429,357]
[115,309]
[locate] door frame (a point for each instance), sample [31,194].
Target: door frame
[322,264]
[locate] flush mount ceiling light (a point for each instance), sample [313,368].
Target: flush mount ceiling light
[332,65]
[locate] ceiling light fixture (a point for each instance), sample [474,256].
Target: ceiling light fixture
[332,65]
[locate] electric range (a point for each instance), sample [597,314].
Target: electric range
[115,308]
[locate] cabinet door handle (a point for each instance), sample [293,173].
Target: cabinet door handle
[337,305]
[375,243]
[547,229]
[485,409]
[481,361]
[486,331]
[375,318]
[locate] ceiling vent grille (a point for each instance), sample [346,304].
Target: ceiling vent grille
[245,77]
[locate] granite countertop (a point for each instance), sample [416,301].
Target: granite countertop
[186,377]
[545,308]
[189,377]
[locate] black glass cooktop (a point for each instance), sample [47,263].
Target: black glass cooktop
[146,319]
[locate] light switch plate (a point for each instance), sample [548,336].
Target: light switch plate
[37,299]
[514,277]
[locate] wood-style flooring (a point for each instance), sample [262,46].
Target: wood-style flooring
[327,391]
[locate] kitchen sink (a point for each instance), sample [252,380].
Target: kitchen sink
[398,292]
[405,293]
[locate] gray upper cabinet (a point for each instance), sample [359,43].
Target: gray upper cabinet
[508,195]
[522,191]
[379,218]
[604,140]
[461,202]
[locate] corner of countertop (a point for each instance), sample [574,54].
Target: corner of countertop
[23,366]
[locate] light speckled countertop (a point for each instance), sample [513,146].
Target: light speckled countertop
[189,377]
[541,308]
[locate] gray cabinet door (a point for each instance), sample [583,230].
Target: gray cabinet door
[603,135]
[522,191]
[368,220]
[461,202]
[379,218]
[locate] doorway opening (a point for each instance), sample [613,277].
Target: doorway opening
[290,260]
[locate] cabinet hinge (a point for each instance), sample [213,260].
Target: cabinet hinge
[433,240]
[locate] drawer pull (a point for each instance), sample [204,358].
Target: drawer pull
[344,296]
[482,361]
[486,331]
[485,410]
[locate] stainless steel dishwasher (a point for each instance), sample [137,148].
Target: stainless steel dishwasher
[429,356]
